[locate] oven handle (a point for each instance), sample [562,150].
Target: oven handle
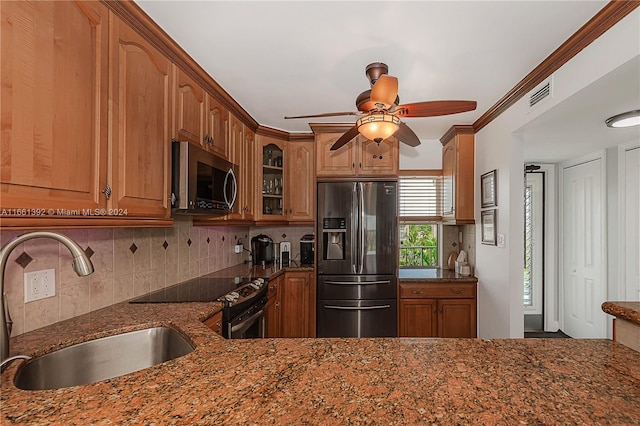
[356,308]
[242,325]
[357,282]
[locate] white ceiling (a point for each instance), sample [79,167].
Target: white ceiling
[576,127]
[303,57]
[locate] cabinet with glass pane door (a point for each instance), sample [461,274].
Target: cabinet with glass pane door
[273,179]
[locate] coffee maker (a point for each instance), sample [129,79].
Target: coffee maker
[307,249]
[262,249]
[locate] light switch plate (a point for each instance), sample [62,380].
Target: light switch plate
[39,285]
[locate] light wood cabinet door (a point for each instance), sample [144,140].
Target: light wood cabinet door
[189,110]
[301,188]
[272,164]
[448,179]
[141,78]
[54,105]
[248,170]
[296,297]
[418,318]
[273,309]
[456,318]
[334,163]
[217,128]
[458,175]
[378,159]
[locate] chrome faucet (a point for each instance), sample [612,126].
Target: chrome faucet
[81,264]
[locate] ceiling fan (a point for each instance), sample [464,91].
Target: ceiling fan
[381,110]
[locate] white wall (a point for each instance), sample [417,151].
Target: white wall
[426,156]
[499,146]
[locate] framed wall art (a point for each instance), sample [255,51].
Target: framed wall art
[488,190]
[488,223]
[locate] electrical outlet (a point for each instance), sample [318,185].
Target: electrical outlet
[501,239]
[238,248]
[39,285]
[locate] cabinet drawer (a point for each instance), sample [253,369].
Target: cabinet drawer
[448,290]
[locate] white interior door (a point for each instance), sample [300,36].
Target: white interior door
[631,251]
[582,250]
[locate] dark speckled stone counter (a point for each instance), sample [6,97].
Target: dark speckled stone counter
[629,311]
[332,381]
[432,275]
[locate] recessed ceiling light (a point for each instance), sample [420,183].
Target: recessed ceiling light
[626,119]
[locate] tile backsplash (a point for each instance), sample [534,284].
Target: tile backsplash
[450,242]
[127,262]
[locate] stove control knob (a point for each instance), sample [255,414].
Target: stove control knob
[254,285]
[260,280]
[235,294]
[230,298]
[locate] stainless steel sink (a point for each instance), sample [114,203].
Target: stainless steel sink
[102,359]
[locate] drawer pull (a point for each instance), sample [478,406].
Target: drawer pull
[458,290]
[416,291]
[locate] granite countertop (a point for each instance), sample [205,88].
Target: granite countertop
[331,381]
[629,311]
[432,275]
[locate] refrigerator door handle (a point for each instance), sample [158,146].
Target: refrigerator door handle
[355,308]
[356,282]
[355,226]
[361,228]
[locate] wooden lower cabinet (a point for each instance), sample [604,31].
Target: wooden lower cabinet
[290,311]
[437,310]
[273,310]
[214,322]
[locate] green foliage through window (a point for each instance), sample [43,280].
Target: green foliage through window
[418,245]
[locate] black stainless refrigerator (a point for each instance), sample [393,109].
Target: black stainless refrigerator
[357,254]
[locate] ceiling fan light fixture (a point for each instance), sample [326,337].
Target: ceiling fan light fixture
[378,126]
[626,119]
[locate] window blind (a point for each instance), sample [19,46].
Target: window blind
[419,198]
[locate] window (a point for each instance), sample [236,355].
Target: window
[419,193]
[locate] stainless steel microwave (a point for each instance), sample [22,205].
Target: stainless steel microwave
[202,183]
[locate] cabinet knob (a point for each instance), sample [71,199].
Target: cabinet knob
[107,191]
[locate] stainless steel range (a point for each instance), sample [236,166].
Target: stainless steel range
[244,301]
[243,313]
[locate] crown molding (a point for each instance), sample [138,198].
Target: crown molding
[606,18]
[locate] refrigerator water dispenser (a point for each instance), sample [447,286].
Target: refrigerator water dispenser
[334,231]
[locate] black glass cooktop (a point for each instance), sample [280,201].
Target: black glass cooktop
[202,289]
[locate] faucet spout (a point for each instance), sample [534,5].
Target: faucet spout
[81,265]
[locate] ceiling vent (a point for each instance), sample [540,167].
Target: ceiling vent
[540,93]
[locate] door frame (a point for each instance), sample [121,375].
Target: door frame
[622,174]
[597,155]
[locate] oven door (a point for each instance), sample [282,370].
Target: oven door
[248,325]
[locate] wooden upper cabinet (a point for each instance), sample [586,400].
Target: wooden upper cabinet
[216,128]
[189,110]
[248,171]
[333,163]
[458,175]
[54,105]
[360,157]
[378,159]
[301,187]
[141,90]
[272,163]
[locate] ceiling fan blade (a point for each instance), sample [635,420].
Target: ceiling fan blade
[385,90]
[345,138]
[326,114]
[434,108]
[406,135]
